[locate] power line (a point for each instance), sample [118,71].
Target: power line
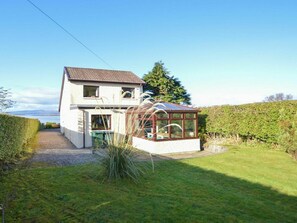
[69,33]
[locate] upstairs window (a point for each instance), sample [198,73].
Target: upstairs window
[91,91]
[128,92]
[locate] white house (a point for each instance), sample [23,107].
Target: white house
[94,101]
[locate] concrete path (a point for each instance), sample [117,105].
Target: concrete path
[53,148]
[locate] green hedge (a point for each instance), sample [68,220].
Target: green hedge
[250,121]
[15,134]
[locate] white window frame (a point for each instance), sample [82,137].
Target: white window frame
[96,94]
[132,96]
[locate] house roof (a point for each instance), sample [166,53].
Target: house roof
[101,75]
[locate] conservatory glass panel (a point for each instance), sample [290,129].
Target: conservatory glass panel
[176,129]
[162,115]
[190,115]
[177,115]
[190,128]
[162,129]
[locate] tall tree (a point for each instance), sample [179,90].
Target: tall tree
[278,97]
[5,101]
[165,87]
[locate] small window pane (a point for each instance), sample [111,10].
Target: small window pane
[190,115]
[190,128]
[177,115]
[148,129]
[162,129]
[101,122]
[176,129]
[144,129]
[148,116]
[162,115]
[128,92]
[91,91]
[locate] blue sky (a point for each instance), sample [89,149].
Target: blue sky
[223,51]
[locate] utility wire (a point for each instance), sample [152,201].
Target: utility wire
[69,33]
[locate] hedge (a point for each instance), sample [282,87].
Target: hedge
[15,134]
[249,121]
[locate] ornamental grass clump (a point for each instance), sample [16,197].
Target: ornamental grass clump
[121,162]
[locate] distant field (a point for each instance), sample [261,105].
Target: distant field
[245,184]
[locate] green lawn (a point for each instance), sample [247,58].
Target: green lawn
[241,185]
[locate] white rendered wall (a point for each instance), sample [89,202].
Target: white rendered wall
[65,104]
[118,119]
[163,147]
[109,94]
[70,119]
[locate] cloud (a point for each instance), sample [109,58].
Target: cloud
[36,98]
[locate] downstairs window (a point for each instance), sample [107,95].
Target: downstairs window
[101,122]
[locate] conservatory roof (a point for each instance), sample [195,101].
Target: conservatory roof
[166,106]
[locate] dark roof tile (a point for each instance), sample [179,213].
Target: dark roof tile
[100,75]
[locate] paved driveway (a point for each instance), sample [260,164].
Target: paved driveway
[54,148]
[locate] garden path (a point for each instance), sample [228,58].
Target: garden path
[54,148]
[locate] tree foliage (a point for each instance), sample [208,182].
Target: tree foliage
[5,101]
[278,97]
[165,87]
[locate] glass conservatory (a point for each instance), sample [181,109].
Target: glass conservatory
[153,126]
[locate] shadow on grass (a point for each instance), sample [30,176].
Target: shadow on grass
[176,192]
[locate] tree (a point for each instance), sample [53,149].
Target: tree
[278,97]
[5,101]
[165,87]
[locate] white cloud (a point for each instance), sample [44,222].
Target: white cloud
[36,98]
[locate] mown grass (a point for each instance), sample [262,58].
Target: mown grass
[245,184]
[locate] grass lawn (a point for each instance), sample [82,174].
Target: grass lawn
[242,185]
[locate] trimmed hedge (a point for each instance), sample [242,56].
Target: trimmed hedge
[249,121]
[15,134]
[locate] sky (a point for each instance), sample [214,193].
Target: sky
[223,51]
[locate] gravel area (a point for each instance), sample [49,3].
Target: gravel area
[54,148]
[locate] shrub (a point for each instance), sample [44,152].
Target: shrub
[288,134]
[51,125]
[258,121]
[15,135]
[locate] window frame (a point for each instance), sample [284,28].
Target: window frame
[131,95]
[97,93]
[107,115]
